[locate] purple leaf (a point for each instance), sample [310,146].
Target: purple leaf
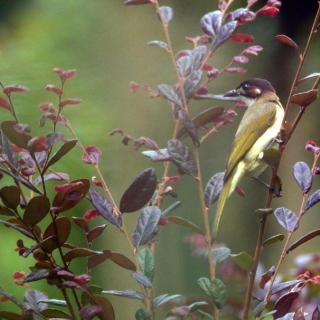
[242,15]
[147,225]
[170,93]
[184,65]
[316,314]
[158,43]
[211,23]
[182,157]
[139,192]
[105,208]
[213,189]
[313,200]
[166,14]
[286,218]
[142,279]
[303,176]
[157,155]
[189,126]
[192,82]
[309,236]
[284,303]
[131,294]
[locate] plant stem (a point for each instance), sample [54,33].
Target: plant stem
[289,236]
[282,148]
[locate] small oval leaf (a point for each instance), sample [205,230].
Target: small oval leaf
[304,98]
[36,210]
[313,200]
[10,196]
[286,218]
[139,192]
[146,227]
[303,175]
[213,189]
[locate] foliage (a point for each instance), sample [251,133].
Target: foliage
[36,210]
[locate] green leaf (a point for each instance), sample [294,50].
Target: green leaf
[60,153]
[141,314]
[243,260]
[215,289]
[146,262]
[185,223]
[273,239]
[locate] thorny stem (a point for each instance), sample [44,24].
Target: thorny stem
[259,243]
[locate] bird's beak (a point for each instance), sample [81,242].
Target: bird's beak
[232,95]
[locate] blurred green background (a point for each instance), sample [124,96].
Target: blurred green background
[106,42]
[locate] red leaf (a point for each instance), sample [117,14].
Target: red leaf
[95,232]
[92,155]
[91,214]
[47,106]
[236,70]
[268,11]
[70,101]
[4,103]
[241,59]
[287,41]
[304,98]
[38,144]
[242,37]
[64,74]
[54,89]
[254,50]
[14,88]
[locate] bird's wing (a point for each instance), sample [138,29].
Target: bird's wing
[252,126]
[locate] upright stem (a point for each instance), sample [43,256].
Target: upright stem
[282,148]
[289,236]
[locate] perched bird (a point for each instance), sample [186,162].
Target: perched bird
[258,129]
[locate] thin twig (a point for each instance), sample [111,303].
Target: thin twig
[275,170]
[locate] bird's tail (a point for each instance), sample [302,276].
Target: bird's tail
[229,186]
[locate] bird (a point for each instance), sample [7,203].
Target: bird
[257,131]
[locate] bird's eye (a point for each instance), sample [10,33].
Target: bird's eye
[245,86]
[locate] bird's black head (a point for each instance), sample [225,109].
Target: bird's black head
[250,90]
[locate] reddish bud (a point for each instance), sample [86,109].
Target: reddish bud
[202,90]
[182,53]
[134,86]
[3,298]
[171,179]
[91,214]
[18,275]
[207,67]
[54,89]
[82,279]
[92,155]
[64,74]
[38,144]
[163,221]
[242,37]
[47,106]
[213,74]
[65,188]
[240,192]
[268,11]
[241,59]
[316,171]
[70,101]
[312,146]
[4,103]
[274,3]
[14,88]
[254,50]
[97,182]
